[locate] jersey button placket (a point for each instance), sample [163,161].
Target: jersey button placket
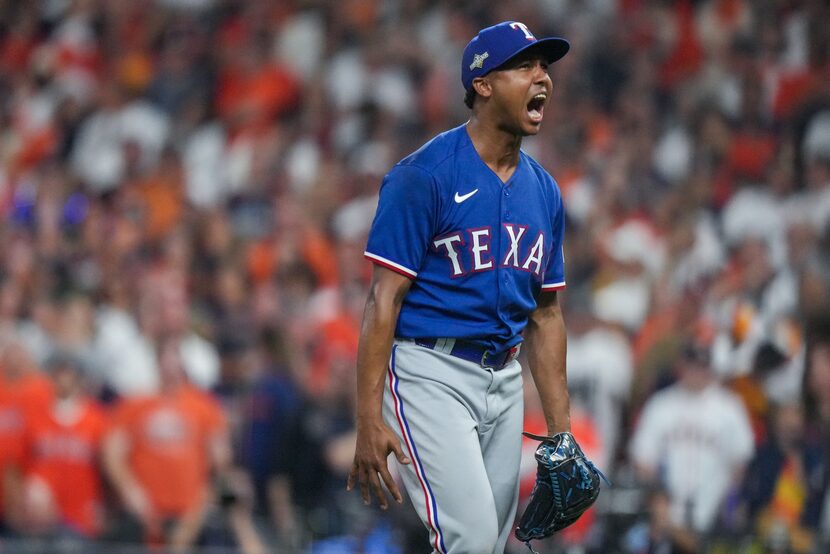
[500,271]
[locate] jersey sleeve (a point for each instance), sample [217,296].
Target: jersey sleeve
[555,271]
[404,221]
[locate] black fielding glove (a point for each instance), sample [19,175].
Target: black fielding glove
[567,484]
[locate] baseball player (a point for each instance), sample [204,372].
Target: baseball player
[467,247]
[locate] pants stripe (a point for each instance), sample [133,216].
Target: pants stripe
[429,497]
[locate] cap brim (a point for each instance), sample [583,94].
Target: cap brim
[553,48]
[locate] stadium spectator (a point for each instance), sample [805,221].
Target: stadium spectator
[62,489]
[160,454]
[263,406]
[659,533]
[694,439]
[785,485]
[23,392]
[816,398]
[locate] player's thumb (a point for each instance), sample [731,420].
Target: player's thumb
[402,458]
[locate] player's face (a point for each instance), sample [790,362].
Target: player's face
[521,89]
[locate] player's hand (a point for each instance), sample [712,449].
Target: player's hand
[375,440]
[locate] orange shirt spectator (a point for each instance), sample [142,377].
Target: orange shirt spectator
[62,454]
[333,353]
[265,258]
[29,393]
[256,92]
[167,441]
[162,200]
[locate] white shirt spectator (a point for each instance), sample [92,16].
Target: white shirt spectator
[624,301]
[203,158]
[778,301]
[672,158]
[300,43]
[200,360]
[817,136]
[98,156]
[755,213]
[353,220]
[698,441]
[303,162]
[346,77]
[124,358]
[811,207]
[705,258]
[635,241]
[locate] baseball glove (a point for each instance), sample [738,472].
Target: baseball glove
[567,483]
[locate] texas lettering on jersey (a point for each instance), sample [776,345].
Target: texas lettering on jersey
[479,252]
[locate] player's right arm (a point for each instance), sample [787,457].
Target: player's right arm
[375,439]
[398,242]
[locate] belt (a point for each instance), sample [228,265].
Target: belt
[472,352]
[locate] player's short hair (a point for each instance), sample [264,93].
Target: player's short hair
[470,97]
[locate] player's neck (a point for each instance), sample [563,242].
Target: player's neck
[498,148]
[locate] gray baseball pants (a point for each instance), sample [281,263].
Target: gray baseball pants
[461,426]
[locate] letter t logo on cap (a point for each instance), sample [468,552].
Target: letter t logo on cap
[523,27]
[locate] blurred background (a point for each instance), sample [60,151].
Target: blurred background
[185,192]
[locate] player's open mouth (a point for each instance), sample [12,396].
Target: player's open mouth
[536,107]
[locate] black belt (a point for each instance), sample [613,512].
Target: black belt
[475,353]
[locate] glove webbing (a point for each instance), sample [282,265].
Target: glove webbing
[588,462]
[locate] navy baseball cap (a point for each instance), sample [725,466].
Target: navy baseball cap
[493,46]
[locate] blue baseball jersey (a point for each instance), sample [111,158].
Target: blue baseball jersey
[478,250]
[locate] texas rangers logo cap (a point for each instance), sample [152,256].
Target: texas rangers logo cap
[495,45]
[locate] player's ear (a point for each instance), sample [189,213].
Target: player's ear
[483,87]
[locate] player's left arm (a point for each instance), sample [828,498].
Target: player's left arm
[546,346]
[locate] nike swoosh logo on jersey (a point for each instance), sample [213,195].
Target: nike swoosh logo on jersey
[461,198]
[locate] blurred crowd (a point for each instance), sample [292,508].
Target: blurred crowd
[185,192]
